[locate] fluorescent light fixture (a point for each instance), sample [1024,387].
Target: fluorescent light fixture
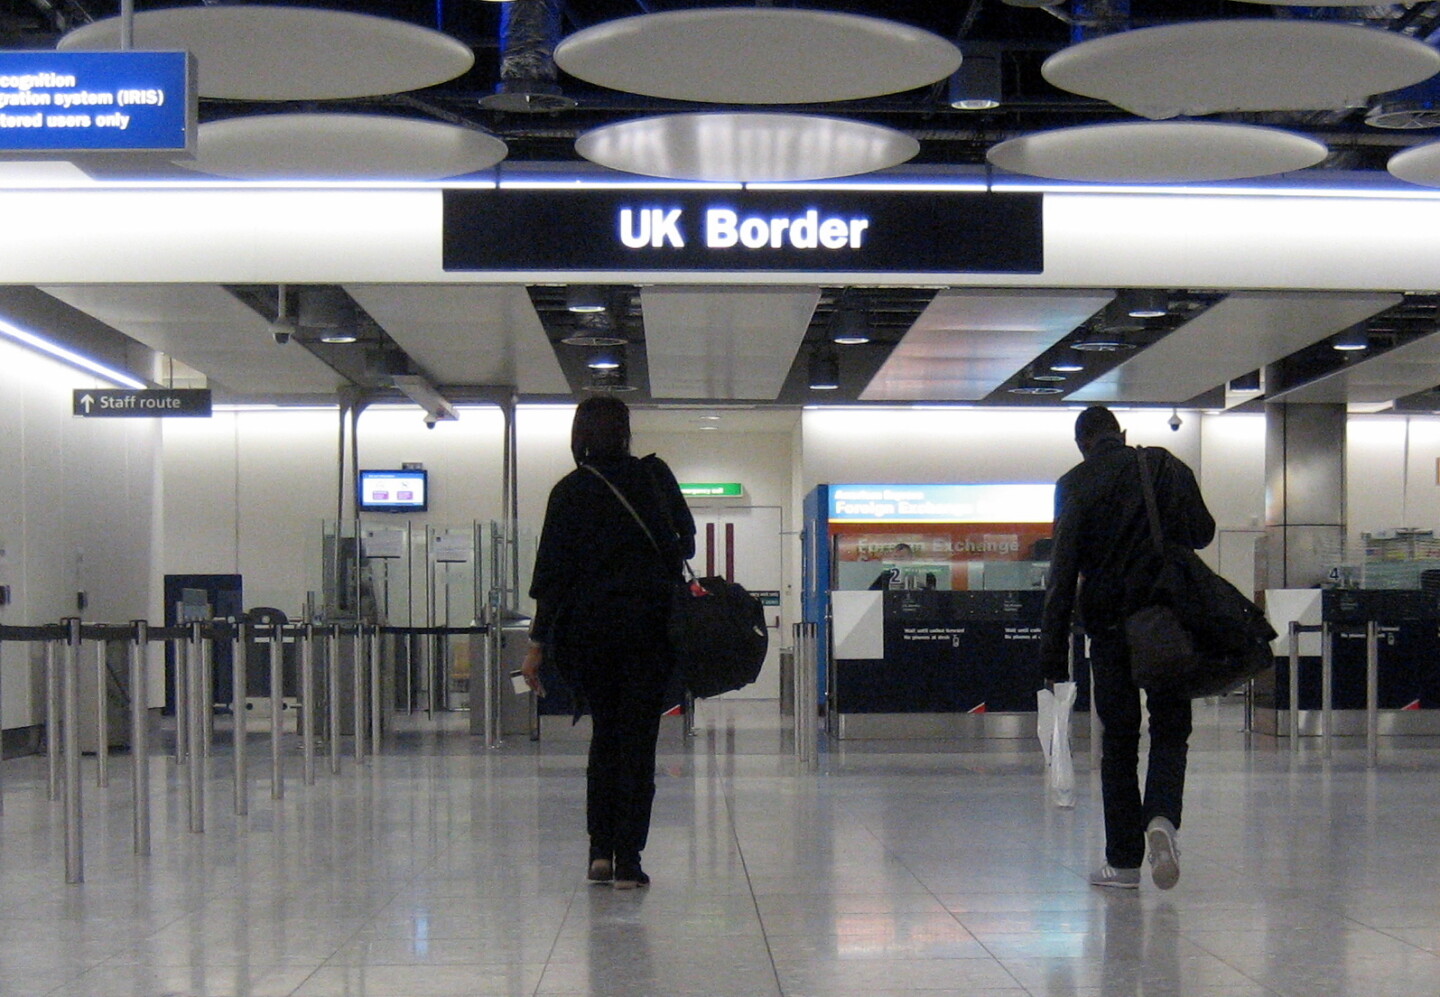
[68,356]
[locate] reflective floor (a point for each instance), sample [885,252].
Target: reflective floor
[926,869]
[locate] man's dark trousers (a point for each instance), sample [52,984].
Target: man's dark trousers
[1117,701]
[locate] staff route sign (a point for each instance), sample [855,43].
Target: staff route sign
[78,102]
[132,403]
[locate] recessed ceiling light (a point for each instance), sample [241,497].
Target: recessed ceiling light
[1035,389]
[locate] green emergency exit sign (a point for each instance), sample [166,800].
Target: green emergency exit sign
[712,489]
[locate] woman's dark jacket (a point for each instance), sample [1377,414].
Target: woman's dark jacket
[1102,534]
[594,556]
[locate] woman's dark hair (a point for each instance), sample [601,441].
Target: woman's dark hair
[601,429]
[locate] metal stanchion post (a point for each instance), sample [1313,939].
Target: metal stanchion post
[52,718]
[332,679]
[1372,693]
[102,716]
[688,727]
[1294,686]
[182,703]
[207,697]
[307,702]
[239,686]
[74,833]
[357,675]
[196,688]
[494,641]
[1327,686]
[375,697]
[140,735]
[797,670]
[277,705]
[806,704]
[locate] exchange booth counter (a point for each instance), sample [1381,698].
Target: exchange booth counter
[936,664]
[1335,630]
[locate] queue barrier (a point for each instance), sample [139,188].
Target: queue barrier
[194,701]
[1328,632]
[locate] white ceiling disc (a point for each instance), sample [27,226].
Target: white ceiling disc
[743,147]
[757,55]
[341,147]
[261,52]
[1157,152]
[1419,165]
[1206,67]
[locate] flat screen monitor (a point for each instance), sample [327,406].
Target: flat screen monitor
[393,491]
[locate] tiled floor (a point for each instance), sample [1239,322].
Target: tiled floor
[900,868]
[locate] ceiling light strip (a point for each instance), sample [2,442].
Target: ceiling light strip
[68,356]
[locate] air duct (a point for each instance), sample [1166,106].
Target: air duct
[529,32]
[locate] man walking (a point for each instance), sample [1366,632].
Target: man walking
[1105,560]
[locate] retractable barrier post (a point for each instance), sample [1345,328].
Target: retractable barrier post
[1294,678]
[375,697]
[53,744]
[494,642]
[74,833]
[806,704]
[182,704]
[195,686]
[140,735]
[239,686]
[1372,693]
[277,704]
[207,697]
[1327,686]
[102,716]
[332,701]
[307,702]
[357,673]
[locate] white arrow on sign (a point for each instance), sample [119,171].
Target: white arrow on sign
[87,401]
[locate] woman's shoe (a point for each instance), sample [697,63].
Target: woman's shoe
[601,871]
[630,877]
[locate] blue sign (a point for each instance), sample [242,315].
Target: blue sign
[76,102]
[942,503]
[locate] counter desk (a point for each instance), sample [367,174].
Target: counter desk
[936,664]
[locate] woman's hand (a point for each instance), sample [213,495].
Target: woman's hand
[530,668]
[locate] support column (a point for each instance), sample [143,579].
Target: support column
[1304,492]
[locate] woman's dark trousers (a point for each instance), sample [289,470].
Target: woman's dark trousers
[624,678]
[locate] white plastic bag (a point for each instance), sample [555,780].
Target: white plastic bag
[1053,728]
[1045,721]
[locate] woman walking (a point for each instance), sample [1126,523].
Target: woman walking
[612,547]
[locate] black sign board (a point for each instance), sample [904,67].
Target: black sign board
[748,230]
[126,403]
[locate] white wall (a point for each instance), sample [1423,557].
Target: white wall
[249,492]
[76,507]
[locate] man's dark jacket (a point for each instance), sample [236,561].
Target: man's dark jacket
[1102,535]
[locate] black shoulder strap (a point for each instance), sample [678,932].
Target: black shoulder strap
[626,503]
[1148,487]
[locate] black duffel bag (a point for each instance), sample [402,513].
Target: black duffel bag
[1196,634]
[718,636]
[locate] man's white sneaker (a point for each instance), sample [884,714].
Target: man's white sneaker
[1116,879]
[1164,853]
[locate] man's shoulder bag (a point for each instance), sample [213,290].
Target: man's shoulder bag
[1196,635]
